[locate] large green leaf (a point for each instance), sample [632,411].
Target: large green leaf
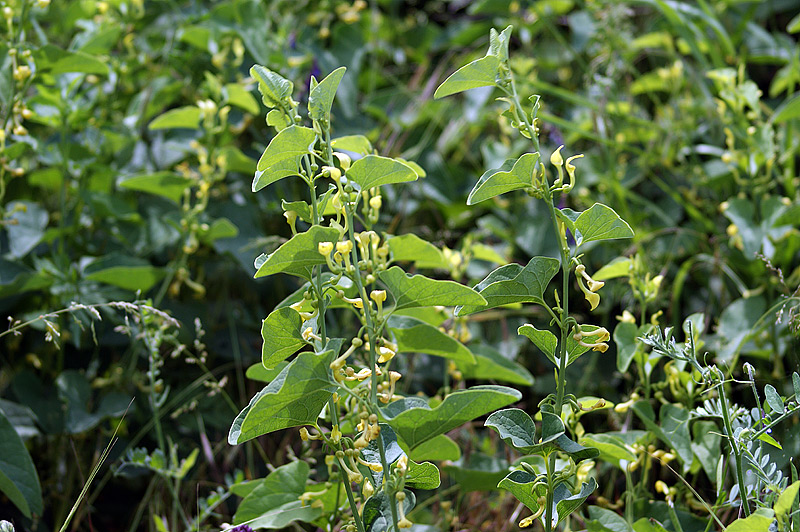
[18,478]
[273,87]
[437,448]
[299,254]
[354,143]
[612,448]
[419,422]
[374,171]
[520,484]
[130,273]
[237,95]
[758,521]
[294,398]
[165,184]
[600,222]
[183,117]
[505,179]
[416,336]
[418,291]
[490,364]
[274,502]
[279,159]
[410,247]
[514,284]
[281,334]
[479,73]
[320,99]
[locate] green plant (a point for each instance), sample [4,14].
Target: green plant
[357,311]
[549,494]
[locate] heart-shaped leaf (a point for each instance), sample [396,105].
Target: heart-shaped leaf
[418,291]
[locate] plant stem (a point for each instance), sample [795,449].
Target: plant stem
[737,455]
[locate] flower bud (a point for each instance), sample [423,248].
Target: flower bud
[555,158]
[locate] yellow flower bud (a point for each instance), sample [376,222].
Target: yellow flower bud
[324,248]
[375,202]
[379,296]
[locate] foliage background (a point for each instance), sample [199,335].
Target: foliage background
[687,114]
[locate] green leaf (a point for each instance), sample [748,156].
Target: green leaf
[242,98]
[759,521]
[410,247]
[490,364]
[25,227]
[516,428]
[774,399]
[281,334]
[514,284]
[274,88]
[437,448]
[619,267]
[258,372]
[219,228]
[274,502]
[706,440]
[377,510]
[783,506]
[353,143]
[294,398]
[788,110]
[18,478]
[566,502]
[498,43]
[604,520]
[374,171]
[496,182]
[796,385]
[600,222]
[183,117]
[279,159]
[625,337]
[612,449]
[477,472]
[165,184]
[675,431]
[320,99]
[424,476]
[520,484]
[130,273]
[479,73]
[419,423]
[418,291]
[544,340]
[51,58]
[299,254]
[416,336]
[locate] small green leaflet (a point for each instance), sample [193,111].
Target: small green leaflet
[294,398]
[183,117]
[321,96]
[273,87]
[374,171]
[513,175]
[479,73]
[279,159]
[418,291]
[281,334]
[299,254]
[418,423]
[514,284]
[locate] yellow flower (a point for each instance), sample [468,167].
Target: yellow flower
[555,158]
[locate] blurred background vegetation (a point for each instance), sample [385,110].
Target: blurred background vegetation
[131,130]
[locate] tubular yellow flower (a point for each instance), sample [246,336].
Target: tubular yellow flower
[571,169]
[555,158]
[324,248]
[375,202]
[344,247]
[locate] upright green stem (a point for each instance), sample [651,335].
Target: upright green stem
[373,356]
[737,455]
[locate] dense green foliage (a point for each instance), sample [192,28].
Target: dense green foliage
[187,284]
